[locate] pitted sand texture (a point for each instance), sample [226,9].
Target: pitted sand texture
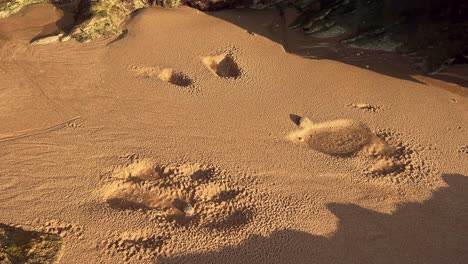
[104,147]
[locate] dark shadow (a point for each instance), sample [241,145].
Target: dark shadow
[434,231]
[234,220]
[64,24]
[21,246]
[125,32]
[295,119]
[277,25]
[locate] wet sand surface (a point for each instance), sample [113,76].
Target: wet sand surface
[175,145]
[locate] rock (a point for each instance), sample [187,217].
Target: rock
[21,246]
[98,19]
[10,7]
[48,39]
[430,32]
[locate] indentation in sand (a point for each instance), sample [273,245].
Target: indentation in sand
[174,77]
[405,162]
[169,75]
[385,166]
[222,65]
[186,193]
[58,227]
[463,149]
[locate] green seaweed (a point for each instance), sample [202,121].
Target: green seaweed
[20,246]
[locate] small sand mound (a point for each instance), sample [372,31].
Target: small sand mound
[385,166]
[463,149]
[404,162]
[337,137]
[173,77]
[381,153]
[145,72]
[169,75]
[222,65]
[138,170]
[367,107]
[187,193]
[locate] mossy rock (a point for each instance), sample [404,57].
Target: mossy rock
[103,18]
[20,246]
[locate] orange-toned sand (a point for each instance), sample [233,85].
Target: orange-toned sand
[192,140]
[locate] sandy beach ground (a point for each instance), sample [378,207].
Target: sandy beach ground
[171,146]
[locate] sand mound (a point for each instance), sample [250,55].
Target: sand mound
[63,229]
[144,72]
[222,65]
[381,154]
[186,193]
[167,75]
[462,149]
[402,162]
[367,107]
[385,166]
[176,78]
[337,137]
[138,170]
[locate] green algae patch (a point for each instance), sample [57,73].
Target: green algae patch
[10,7]
[103,18]
[21,246]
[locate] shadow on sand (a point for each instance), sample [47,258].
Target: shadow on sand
[63,24]
[274,24]
[434,231]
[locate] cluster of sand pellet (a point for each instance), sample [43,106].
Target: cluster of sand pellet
[58,227]
[192,194]
[140,245]
[403,163]
[367,107]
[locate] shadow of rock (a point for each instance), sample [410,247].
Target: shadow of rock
[284,26]
[430,232]
[63,24]
[21,246]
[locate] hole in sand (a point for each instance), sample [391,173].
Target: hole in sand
[186,193]
[174,77]
[222,65]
